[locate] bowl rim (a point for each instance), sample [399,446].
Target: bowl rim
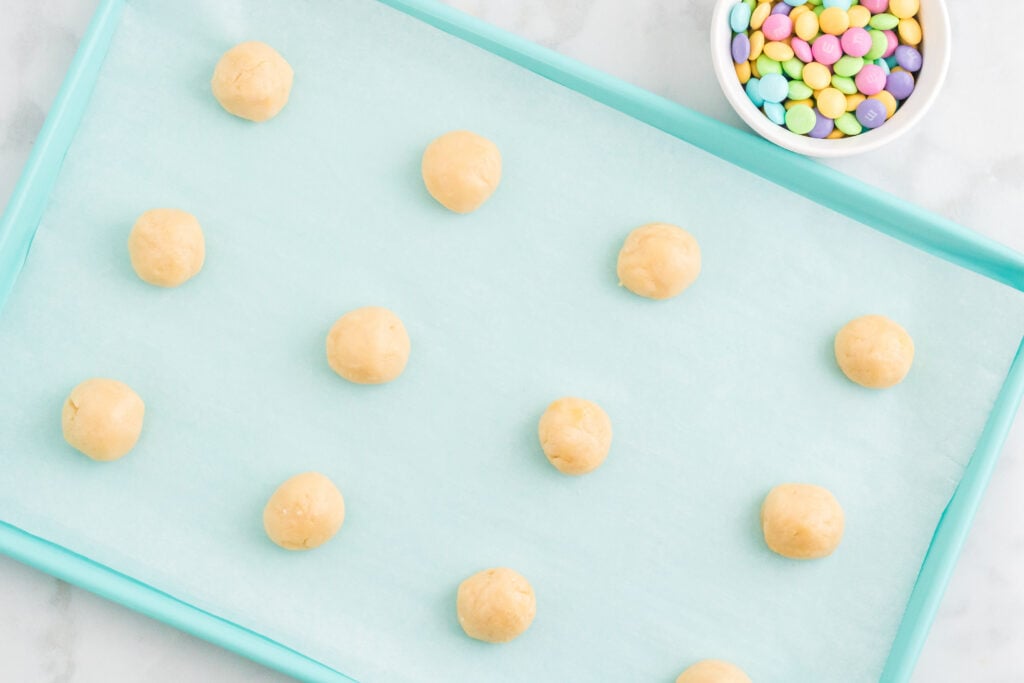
[936,66]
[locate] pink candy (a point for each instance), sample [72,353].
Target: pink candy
[802,50]
[856,42]
[876,6]
[870,79]
[894,42]
[778,27]
[826,49]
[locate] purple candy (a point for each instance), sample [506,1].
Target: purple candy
[900,84]
[871,113]
[822,126]
[909,58]
[802,50]
[870,79]
[782,8]
[740,48]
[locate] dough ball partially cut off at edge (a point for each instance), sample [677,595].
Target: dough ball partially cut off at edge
[102,418]
[461,170]
[802,521]
[659,261]
[304,512]
[575,435]
[713,671]
[252,81]
[495,605]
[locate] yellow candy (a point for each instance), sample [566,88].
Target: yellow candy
[795,13]
[759,15]
[806,26]
[778,51]
[859,16]
[904,8]
[834,20]
[836,133]
[888,100]
[743,72]
[793,103]
[853,100]
[753,69]
[831,103]
[756,44]
[910,31]
[816,76]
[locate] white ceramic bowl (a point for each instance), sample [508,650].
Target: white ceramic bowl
[935,50]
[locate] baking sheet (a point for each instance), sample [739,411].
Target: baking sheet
[640,568]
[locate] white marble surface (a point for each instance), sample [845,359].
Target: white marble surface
[965,161]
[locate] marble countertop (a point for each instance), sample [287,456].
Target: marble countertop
[965,161]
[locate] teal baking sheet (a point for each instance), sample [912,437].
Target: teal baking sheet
[652,562]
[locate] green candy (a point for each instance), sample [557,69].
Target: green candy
[798,90]
[844,84]
[794,68]
[848,66]
[800,119]
[767,65]
[819,9]
[878,46]
[751,4]
[814,2]
[849,124]
[884,21]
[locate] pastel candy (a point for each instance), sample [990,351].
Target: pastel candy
[856,42]
[753,90]
[871,113]
[870,79]
[900,84]
[782,8]
[875,6]
[801,119]
[823,125]
[802,50]
[841,4]
[740,48]
[739,17]
[777,27]
[826,50]
[773,87]
[892,42]
[908,57]
[775,112]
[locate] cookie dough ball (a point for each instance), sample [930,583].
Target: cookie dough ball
[252,81]
[713,671]
[166,247]
[304,512]
[461,170]
[575,434]
[496,605]
[102,418]
[874,351]
[802,521]
[368,346]
[659,261]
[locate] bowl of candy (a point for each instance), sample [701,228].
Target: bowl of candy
[830,78]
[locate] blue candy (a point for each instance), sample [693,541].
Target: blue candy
[775,112]
[841,4]
[753,89]
[739,17]
[773,88]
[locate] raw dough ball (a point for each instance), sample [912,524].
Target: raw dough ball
[166,247]
[575,434]
[252,81]
[103,418]
[368,346]
[713,671]
[659,261]
[874,351]
[304,512]
[461,170]
[496,605]
[802,521]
